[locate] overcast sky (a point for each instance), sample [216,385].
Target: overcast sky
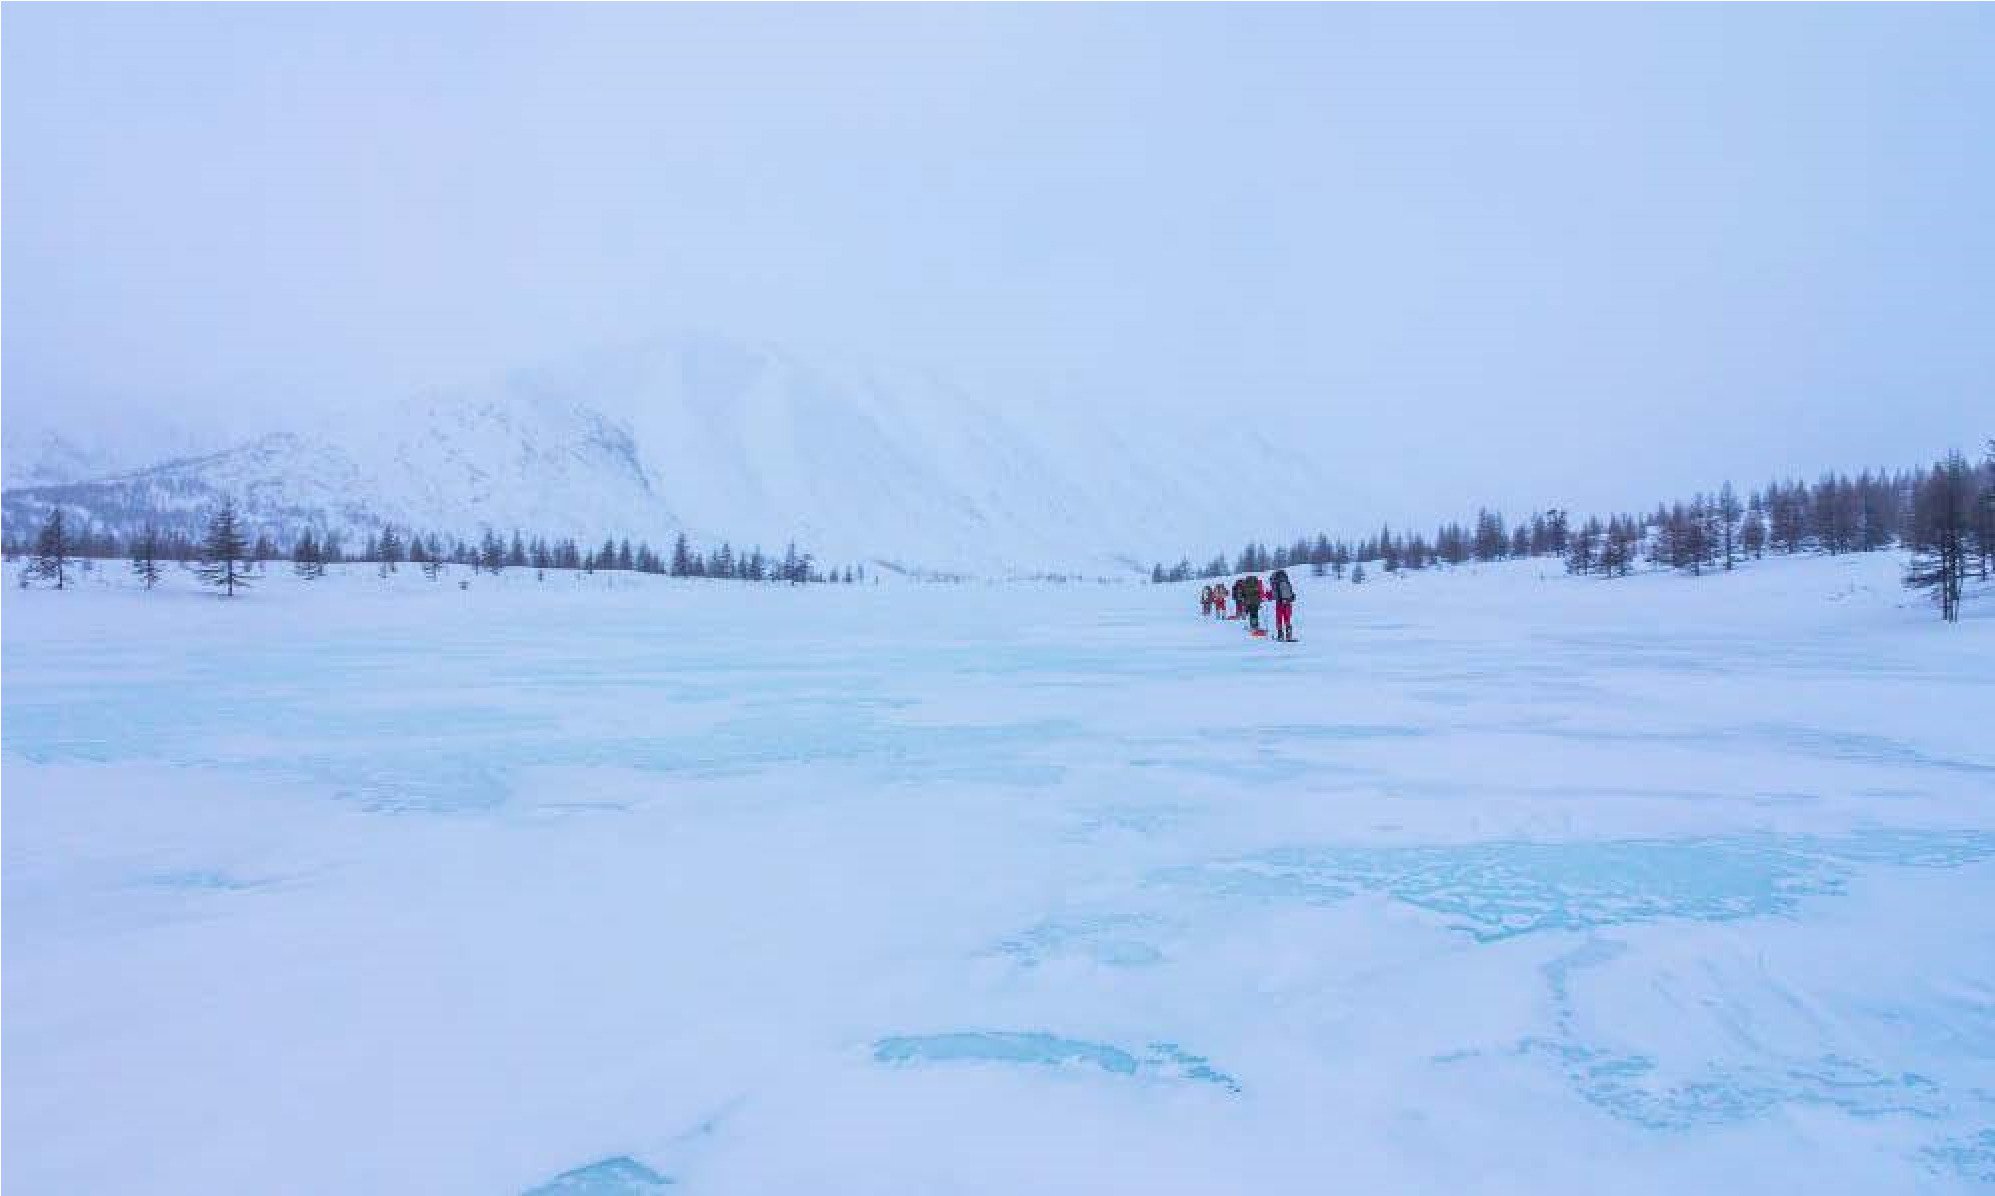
[1603,252]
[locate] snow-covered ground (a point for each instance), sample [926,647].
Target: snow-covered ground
[1497,882]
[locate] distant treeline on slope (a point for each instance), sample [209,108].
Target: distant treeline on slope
[60,537]
[1945,515]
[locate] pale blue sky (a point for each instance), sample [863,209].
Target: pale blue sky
[1634,248]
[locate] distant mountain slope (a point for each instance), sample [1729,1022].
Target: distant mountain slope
[721,439]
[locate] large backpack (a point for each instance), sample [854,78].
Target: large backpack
[1283,588]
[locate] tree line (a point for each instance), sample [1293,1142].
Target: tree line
[226,555]
[1944,515]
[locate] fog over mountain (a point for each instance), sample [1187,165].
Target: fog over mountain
[728,440]
[1010,284]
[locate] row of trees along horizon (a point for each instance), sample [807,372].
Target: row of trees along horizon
[227,557]
[1943,515]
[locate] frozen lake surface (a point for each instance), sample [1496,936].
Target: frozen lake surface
[1497,882]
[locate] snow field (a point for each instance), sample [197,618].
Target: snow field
[1497,882]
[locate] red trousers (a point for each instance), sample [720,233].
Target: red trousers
[1284,618]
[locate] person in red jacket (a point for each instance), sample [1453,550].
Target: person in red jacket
[1282,590]
[1218,600]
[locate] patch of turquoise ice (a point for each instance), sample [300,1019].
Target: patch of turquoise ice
[1970,1156]
[1637,1088]
[618,1176]
[1003,1047]
[198,881]
[1494,891]
[1161,1060]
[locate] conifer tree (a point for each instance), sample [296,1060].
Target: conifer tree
[223,551]
[1727,513]
[1942,516]
[1490,540]
[491,553]
[308,560]
[1984,515]
[390,548]
[1580,548]
[53,551]
[145,556]
[1752,534]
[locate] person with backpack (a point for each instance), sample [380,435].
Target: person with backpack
[1247,594]
[1205,601]
[1218,601]
[1283,591]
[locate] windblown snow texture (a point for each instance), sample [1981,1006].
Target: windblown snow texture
[1499,882]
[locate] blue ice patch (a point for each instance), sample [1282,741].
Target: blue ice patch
[617,1176]
[1162,1060]
[1003,1047]
[1496,891]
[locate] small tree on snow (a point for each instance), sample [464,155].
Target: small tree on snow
[308,557]
[223,550]
[145,556]
[52,551]
[1942,514]
[389,549]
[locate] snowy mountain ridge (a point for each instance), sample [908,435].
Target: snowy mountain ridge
[725,440]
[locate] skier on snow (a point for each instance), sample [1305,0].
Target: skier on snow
[1283,591]
[1247,595]
[1205,600]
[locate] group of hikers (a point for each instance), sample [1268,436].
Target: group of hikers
[1247,594]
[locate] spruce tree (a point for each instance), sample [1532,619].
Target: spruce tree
[1581,546]
[145,556]
[1727,512]
[308,559]
[53,551]
[224,551]
[390,548]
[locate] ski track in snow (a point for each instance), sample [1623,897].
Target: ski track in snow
[1499,881]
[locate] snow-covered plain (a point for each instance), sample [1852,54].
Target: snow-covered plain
[1497,882]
